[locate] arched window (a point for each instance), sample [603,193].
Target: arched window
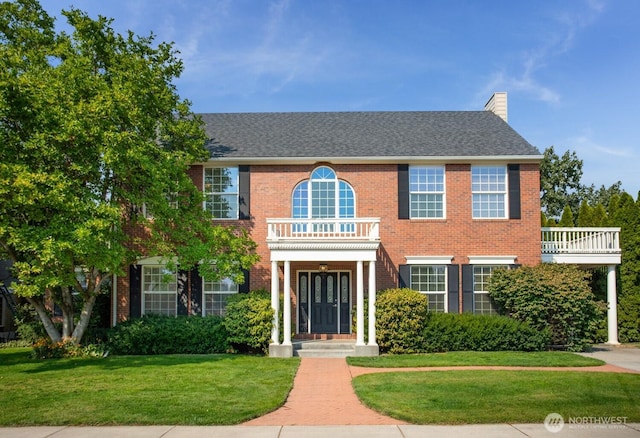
[323,196]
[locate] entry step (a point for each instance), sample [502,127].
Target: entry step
[329,349]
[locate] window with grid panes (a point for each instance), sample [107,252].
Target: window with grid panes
[221,192]
[431,281]
[323,196]
[426,192]
[482,302]
[215,294]
[159,291]
[489,192]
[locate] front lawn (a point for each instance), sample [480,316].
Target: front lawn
[467,397]
[171,389]
[477,358]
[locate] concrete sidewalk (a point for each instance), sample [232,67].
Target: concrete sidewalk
[380,431]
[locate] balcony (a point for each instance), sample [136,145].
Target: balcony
[586,246]
[351,229]
[348,239]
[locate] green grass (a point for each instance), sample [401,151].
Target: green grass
[173,389]
[468,397]
[477,358]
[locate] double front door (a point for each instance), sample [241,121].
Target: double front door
[325,300]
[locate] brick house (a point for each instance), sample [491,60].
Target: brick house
[342,204]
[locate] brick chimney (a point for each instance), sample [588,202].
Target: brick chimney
[498,105]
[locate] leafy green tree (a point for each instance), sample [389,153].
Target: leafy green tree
[93,135]
[560,182]
[585,215]
[567,218]
[601,195]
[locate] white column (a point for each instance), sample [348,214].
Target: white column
[612,302]
[287,304]
[275,302]
[360,305]
[372,303]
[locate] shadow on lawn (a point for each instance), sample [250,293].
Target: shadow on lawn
[111,362]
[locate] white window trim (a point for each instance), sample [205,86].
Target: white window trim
[492,260]
[446,282]
[144,293]
[429,260]
[337,181]
[205,293]
[204,202]
[506,192]
[443,193]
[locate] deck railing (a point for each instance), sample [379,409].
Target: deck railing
[323,229]
[560,240]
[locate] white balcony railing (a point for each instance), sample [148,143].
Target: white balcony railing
[559,240]
[323,229]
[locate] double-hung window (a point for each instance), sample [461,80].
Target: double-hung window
[221,192]
[489,192]
[216,294]
[159,291]
[482,302]
[431,281]
[426,192]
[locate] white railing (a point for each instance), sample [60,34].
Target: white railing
[323,229]
[558,240]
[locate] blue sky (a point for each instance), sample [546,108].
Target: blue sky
[571,68]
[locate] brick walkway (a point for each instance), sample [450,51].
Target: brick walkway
[322,393]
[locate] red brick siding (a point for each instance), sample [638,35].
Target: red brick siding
[376,190]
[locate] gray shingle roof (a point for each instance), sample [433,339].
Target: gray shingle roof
[363,134]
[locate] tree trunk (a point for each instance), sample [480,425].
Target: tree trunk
[67,308]
[46,320]
[85,317]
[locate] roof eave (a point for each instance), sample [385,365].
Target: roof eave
[376,160]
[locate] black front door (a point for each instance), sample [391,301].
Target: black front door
[324,302]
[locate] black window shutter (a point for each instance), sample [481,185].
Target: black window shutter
[245,288]
[244,211]
[452,288]
[196,292]
[515,266]
[467,288]
[514,191]
[404,276]
[183,293]
[135,291]
[403,191]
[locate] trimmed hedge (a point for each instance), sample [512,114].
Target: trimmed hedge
[158,334]
[248,321]
[400,317]
[467,332]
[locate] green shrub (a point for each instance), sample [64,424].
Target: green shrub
[553,296]
[158,334]
[629,318]
[248,321]
[400,319]
[467,332]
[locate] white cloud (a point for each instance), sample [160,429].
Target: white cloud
[556,41]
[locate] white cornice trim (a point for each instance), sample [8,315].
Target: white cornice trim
[429,260]
[302,246]
[375,160]
[492,260]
